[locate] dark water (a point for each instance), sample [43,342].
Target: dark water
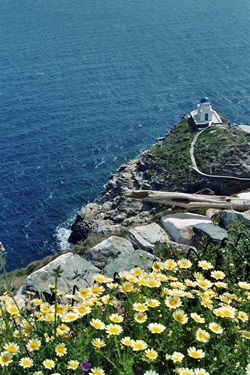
[86,85]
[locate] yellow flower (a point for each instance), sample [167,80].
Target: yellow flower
[202,335]
[156,328]
[98,343]
[184,263]
[12,309]
[97,371]
[248,369]
[84,293]
[138,345]
[97,324]
[116,318]
[130,277]
[180,316]
[70,316]
[153,283]
[242,316]
[195,353]
[60,309]
[33,345]
[49,364]
[206,302]
[36,301]
[170,265]
[81,309]
[157,266]
[204,283]
[97,290]
[101,278]
[5,359]
[246,335]
[62,329]
[177,357]
[244,285]
[150,354]
[60,350]
[185,371]
[127,287]
[153,302]
[173,302]
[200,371]
[137,271]
[140,317]
[11,348]
[205,265]
[218,275]
[141,307]
[197,318]
[72,365]
[113,329]
[45,308]
[190,283]
[49,317]
[126,341]
[26,362]
[216,328]
[220,285]
[225,312]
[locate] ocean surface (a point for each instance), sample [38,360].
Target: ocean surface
[86,85]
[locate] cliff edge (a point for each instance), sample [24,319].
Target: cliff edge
[221,154]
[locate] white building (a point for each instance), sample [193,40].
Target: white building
[204,115]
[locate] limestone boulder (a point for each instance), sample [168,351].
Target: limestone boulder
[179,226]
[74,270]
[108,250]
[147,236]
[125,262]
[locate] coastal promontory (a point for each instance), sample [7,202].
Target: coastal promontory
[214,160]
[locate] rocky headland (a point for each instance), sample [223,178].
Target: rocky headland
[221,150]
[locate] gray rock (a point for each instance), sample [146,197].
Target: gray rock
[109,249]
[126,262]
[74,271]
[180,226]
[209,232]
[146,236]
[228,217]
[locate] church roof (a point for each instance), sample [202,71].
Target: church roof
[205,99]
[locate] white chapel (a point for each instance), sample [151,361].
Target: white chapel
[204,115]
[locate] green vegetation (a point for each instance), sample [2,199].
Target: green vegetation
[184,316]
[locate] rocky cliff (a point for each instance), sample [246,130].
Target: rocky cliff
[221,150]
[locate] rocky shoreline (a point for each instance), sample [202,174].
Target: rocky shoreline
[167,166]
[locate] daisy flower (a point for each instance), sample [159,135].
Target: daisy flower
[126,341]
[26,362]
[246,335]
[150,372]
[177,357]
[184,263]
[116,318]
[60,350]
[170,265]
[215,328]
[205,265]
[140,317]
[33,345]
[153,302]
[96,371]
[97,324]
[150,354]
[218,275]
[98,343]
[156,327]
[202,335]
[195,353]
[173,302]
[137,345]
[185,371]
[49,364]
[5,359]
[113,329]
[248,369]
[197,318]
[200,371]
[140,307]
[11,348]
[180,316]
[244,285]
[72,365]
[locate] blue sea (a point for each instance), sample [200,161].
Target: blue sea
[86,85]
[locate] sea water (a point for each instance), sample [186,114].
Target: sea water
[86,85]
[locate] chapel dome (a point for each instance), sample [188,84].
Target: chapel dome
[205,100]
